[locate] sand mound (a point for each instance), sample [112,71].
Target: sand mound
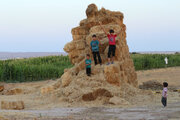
[1,88]
[106,82]
[77,49]
[82,89]
[96,93]
[152,84]
[12,105]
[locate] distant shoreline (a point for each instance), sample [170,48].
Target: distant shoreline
[23,55]
[156,52]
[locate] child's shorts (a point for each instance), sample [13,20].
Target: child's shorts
[112,49]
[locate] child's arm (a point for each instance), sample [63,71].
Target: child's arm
[99,40]
[118,32]
[165,93]
[87,64]
[91,47]
[103,28]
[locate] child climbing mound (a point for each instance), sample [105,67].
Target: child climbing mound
[95,49]
[164,94]
[112,44]
[88,65]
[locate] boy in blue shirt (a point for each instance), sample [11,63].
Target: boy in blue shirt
[88,65]
[95,49]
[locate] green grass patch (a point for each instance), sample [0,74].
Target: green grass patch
[33,69]
[52,67]
[152,61]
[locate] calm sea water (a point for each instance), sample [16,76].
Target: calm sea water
[20,55]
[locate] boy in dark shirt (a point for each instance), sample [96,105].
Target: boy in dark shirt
[88,65]
[112,44]
[95,49]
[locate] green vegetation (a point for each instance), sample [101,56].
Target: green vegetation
[33,69]
[151,61]
[52,67]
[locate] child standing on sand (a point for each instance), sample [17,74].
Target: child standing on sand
[88,65]
[164,94]
[112,44]
[95,49]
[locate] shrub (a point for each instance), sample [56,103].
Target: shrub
[33,69]
[151,61]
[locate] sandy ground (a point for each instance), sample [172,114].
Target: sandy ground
[37,107]
[172,112]
[170,75]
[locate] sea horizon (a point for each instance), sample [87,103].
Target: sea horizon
[23,55]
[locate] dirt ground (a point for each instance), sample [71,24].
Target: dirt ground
[170,75]
[172,112]
[38,107]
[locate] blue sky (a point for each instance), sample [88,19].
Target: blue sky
[45,25]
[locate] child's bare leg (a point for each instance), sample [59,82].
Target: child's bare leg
[109,60]
[113,59]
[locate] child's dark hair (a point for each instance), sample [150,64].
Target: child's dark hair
[165,84]
[88,55]
[94,35]
[111,31]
